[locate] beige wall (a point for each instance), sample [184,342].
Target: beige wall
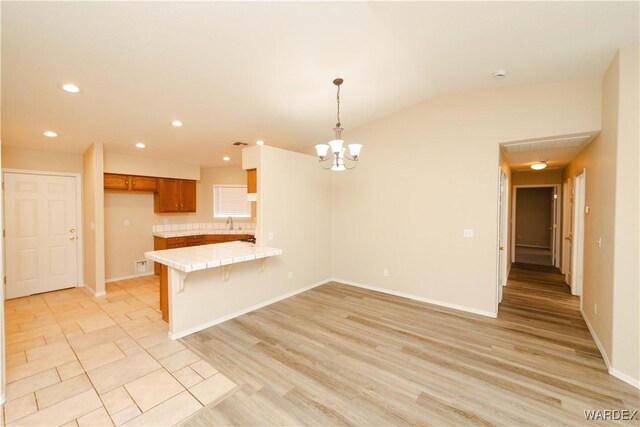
[46,161]
[610,271]
[543,177]
[428,172]
[626,291]
[93,219]
[301,229]
[145,166]
[533,216]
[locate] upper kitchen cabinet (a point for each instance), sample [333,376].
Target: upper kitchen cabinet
[127,182]
[175,195]
[252,185]
[252,181]
[116,182]
[144,183]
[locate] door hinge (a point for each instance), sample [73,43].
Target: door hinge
[5,280]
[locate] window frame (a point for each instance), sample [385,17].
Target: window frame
[213,202]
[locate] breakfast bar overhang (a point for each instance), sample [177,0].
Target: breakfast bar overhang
[203,282]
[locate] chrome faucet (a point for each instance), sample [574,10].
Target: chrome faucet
[230,221]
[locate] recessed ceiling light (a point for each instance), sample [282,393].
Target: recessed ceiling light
[70,87]
[50,134]
[176,123]
[500,74]
[260,142]
[140,145]
[226,158]
[539,165]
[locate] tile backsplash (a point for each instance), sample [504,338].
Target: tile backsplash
[160,228]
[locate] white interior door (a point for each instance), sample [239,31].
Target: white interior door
[41,245]
[578,235]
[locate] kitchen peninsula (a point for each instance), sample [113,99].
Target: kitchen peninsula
[204,281]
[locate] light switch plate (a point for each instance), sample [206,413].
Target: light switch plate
[127,223]
[270,235]
[468,233]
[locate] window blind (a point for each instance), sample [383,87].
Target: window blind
[231,200]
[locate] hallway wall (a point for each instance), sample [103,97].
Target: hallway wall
[533,216]
[611,277]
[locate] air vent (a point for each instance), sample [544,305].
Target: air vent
[238,143]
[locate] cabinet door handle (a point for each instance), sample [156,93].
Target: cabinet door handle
[181,205]
[176,206]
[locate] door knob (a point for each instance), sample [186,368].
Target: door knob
[72,230]
[502,248]
[72,238]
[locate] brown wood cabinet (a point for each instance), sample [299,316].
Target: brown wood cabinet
[175,195]
[116,182]
[144,183]
[252,181]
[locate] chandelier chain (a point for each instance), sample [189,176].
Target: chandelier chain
[338,104]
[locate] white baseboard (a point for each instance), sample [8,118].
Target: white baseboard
[624,377]
[417,298]
[175,336]
[603,353]
[135,276]
[612,371]
[91,291]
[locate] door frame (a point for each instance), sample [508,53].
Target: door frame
[555,249]
[577,247]
[503,228]
[79,218]
[567,229]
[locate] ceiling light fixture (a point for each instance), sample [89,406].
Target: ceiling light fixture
[226,158]
[336,145]
[70,87]
[539,165]
[259,142]
[500,74]
[176,123]
[50,134]
[140,145]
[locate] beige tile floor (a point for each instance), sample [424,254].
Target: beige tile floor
[77,360]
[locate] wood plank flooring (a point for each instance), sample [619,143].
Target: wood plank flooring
[339,355]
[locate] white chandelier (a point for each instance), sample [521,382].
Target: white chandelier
[339,154]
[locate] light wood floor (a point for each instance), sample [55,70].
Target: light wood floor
[339,355]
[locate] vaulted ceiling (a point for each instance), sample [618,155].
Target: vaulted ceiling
[242,71]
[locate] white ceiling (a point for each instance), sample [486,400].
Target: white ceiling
[243,71]
[556,151]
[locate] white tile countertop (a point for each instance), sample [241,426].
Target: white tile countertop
[196,258]
[169,234]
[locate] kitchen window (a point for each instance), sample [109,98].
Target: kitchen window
[231,201]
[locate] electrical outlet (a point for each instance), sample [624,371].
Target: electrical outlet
[599,242]
[290,275]
[270,235]
[127,223]
[385,272]
[468,233]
